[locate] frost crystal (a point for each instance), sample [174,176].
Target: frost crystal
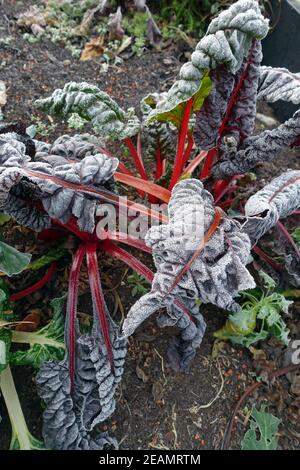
[279,198]
[215,276]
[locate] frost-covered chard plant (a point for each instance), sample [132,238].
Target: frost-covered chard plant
[61,186]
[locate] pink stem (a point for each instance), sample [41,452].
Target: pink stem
[35,287]
[98,297]
[188,149]
[140,268]
[267,258]
[194,163]
[158,171]
[130,241]
[117,252]
[221,188]
[136,157]
[71,311]
[178,165]
[287,235]
[208,163]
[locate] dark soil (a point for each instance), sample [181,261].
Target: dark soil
[157,408]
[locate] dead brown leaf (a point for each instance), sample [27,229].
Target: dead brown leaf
[158,393]
[141,374]
[31,321]
[93,49]
[258,354]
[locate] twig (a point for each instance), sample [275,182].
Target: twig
[162,366]
[208,405]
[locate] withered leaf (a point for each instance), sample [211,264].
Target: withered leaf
[93,49]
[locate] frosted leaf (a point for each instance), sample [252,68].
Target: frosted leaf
[241,119]
[16,205]
[69,418]
[215,276]
[155,132]
[60,201]
[90,103]
[182,348]
[227,43]
[68,147]
[209,118]
[49,181]
[278,84]
[12,158]
[258,148]
[279,198]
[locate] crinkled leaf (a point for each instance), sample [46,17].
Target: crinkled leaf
[240,118]
[12,261]
[227,42]
[70,417]
[209,118]
[277,83]
[216,275]
[94,105]
[53,178]
[279,198]
[44,345]
[5,342]
[262,434]
[156,134]
[258,148]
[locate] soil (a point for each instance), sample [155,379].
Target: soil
[157,408]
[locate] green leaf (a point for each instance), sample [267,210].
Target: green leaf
[273,316]
[4,218]
[227,43]
[262,432]
[76,122]
[269,282]
[5,342]
[53,255]
[296,235]
[11,260]
[280,331]
[285,304]
[241,323]
[46,344]
[31,131]
[92,104]
[175,116]
[247,341]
